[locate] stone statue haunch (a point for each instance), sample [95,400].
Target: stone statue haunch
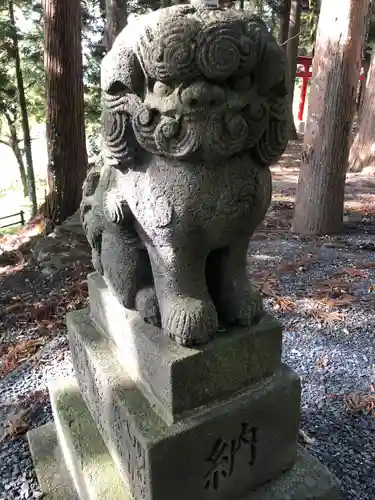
[195,109]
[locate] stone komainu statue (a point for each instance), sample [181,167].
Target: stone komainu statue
[195,109]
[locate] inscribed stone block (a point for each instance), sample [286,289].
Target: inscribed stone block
[177,379]
[222,450]
[308,479]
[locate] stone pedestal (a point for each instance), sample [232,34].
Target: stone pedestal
[145,419]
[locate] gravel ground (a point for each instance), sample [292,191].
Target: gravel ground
[26,388]
[33,298]
[328,340]
[334,359]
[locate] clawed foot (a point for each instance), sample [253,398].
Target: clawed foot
[189,321]
[244,306]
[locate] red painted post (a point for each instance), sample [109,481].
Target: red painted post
[305,81]
[306,74]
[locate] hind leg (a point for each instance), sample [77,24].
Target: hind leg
[127,272]
[125,261]
[233,294]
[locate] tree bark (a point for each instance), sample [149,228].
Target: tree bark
[13,142]
[362,150]
[320,192]
[292,52]
[284,23]
[67,157]
[24,116]
[116,14]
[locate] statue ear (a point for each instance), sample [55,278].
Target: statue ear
[272,84]
[121,68]
[277,134]
[123,86]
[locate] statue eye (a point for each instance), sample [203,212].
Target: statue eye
[162,90]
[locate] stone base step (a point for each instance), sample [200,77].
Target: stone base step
[53,475]
[80,466]
[221,450]
[176,379]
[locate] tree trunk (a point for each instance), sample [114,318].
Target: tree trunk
[292,52]
[320,192]
[116,13]
[24,116]
[362,150]
[67,157]
[13,143]
[284,23]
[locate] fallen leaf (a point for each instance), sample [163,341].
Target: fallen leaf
[326,316]
[18,425]
[344,300]
[32,400]
[356,273]
[266,285]
[14,307]
[296,265]
[18,353]
[368,265]
[43,311]
[357,402]
[285,304]
[332,284]
[322,362]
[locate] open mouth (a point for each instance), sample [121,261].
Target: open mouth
[218,134]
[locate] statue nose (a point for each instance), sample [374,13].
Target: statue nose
[202,95]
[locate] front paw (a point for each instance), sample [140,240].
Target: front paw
[244,306]
[189,321]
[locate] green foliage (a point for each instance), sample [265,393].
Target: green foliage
[30,34]
[309,26]
[272,10]
[93,51]
[30,45]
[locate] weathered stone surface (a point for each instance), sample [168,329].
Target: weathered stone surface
[195,109]
[178,379]
[89,465]
[221,451]
[308,479]
[50,467]
[66,245]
